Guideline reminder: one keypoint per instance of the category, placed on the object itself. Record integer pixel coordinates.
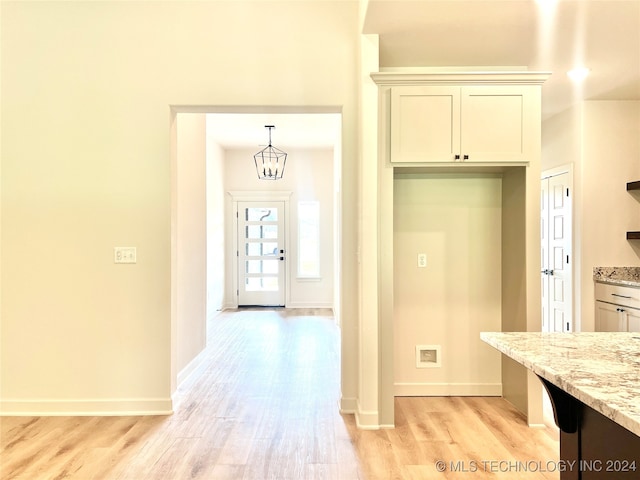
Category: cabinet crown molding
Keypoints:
(460, 78)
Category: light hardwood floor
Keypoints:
(264, 405)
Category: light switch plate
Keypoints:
(124, 255)
(422, 260)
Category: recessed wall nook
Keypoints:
(460, 153)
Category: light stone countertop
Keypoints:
(626, 276)
(601, 369)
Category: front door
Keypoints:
(261, 253)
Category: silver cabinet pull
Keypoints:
(621, 296)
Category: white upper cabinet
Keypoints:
(496, 123)
(444, 118)
(487, 123)
(425, 124)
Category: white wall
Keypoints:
(216, 247)
(87, 91)
(456, 222)
(602, 141)
(309, 176)
(191, 226)
(562, 145)
(610, 159)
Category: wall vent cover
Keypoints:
(428, 356)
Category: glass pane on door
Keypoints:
(261, 231)
(262, 266)
(261, 248)
(261, 214)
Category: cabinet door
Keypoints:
(608, 318)
(498, 123)
(425, 124)
(633, 319)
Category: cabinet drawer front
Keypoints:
(617, 294)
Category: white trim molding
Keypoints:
(259, 196)
(460, 78)
(447, 389)
(192, 366)
(348, 405)
(367, 419)
(86, 407)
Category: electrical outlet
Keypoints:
(422, 260)
(124, 254)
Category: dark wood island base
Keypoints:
(592, 447)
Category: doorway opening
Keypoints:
(217, 247)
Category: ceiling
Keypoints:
(292, 130)
(539, 35)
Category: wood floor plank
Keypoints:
(263, 405)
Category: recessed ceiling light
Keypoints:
(578, 74)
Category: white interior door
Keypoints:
(261, 253)
(556, 254)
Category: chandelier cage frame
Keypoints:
(270, 161)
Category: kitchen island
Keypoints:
(593, 380)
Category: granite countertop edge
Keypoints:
(626, 276)
(618, 407)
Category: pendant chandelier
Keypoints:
(270, 161)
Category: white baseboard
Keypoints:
(348, 405)
(447, 389)
(192, 366)
(86, 407)
(367, 419)
(539, 425)
(313, 305)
